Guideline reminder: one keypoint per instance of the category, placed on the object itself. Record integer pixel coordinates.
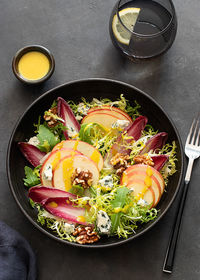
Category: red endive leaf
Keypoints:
(66, 113)
(155, 142)
(40, 194)
(159, 161)
(63, 208)
(135, 130)
(31, 153)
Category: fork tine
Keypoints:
(195, 130)
(190, 133)
(198, 138)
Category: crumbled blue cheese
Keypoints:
(121, 124)
(103, 222)
(142, 202)
(83, 108)
(71, 131)
(69, 228)
(48, 172)
(106, 181)
(34, 141)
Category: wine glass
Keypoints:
(143, 28)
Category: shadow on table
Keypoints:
(144, 74)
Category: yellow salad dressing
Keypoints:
(33, 65)
(147, 182)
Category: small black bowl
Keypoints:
(25, 50)
(89, 88)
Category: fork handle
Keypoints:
(170, 254)
(189, 170)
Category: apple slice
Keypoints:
(66, 166)
(155, 187)
(103, 119)
(142, 168)
(138, 186)
(140, 172)
(84, 148)
(111, 109)
(53, 160)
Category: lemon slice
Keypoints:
(129, 17)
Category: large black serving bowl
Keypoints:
(74, 91)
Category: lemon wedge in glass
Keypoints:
(129, 17)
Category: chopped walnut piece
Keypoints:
(120, 162)
(145, 159)
(85, 234)
(50, 118)
(82, 177)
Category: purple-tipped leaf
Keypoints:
(31, 153)
(159, 161)
(66, 113)
(154, 143)
(63, 208)
(40, 194)
(134, 130)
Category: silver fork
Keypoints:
(192, 151)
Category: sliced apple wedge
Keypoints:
(103, 119)
(144, 173)
(111, 110)
(63, 172)
(154, 187)
(138, 186)
(84, 148)
(53, 160)
(142, 168)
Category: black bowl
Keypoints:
(74, 91)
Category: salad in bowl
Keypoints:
(96, 169)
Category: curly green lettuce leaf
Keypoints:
(57, 225)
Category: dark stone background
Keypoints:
(76, 31)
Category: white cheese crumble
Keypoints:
(48, 172)
(120, 124)
(103, 222)
(142, 202)
(82, 108)
(34, 141)
(78, 117)
(106, 181)
(69, 228)
(71, 131)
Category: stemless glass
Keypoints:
(143, 28)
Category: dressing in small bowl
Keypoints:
(33, 64)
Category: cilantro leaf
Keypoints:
(32, 178)
(47, 139)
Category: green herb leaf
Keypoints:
(47, 139)
(119, 201)
(120, 197)
(32, 178)
(77, 190)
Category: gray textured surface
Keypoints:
(76, 31)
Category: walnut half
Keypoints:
(120, 163)
(82, 177)
(145, 159)
(85, 235)
(49, 117)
